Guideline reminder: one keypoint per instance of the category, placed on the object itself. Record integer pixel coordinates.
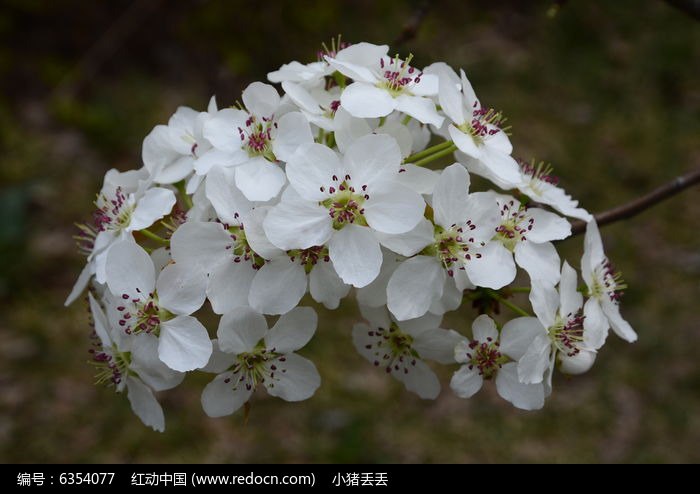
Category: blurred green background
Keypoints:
(609, 92)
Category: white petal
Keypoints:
(374, 294)
(621, 327)
(523, 396)
(398, 131)
(81, 283)
(501, 165)
(417, 178)
(356, 255)
(145, 362)
(466, 382)
(577, 364)
(450, 300)
(367, 101)
(518, 334)
(180, 289)
(219, 361)
(409, 243)
(348, 128)
(229, 286)
(541, 261)
(298, 225)
(465, 142)
(227, 199)
(301, 97)
(295, 379)
(293, 131)
(437, 344)
(533, 365)
(184, 344)
(595, 324)
(200, 243)
(129, 270)
(420, 380)
(495, 269)
(372, 158)
(144, 404)
(484, 328)
(261, 99)
(450, 195)
(420, 108)
(260, 180)
(157, 150)
(220, 399)
(218, 158)
(155, 204)
(451, 100)
(545, 302)
(240, 330)
(325, 285)
(571, 300)
(222, 129)
(176, 171)
(277, 287)
(362, 53)
(414, 286)
(593, 255)
(355, 71)
(311, 169)
(547, 226)
(101, 324)
(255, 233)
(394, 209)
(292, 331)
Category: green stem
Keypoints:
(428, 151)
(406, 119)
(508, 304)
(149, 234)
(330, 139)
(182, 190)
(436, 156)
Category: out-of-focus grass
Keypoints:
(609, 92)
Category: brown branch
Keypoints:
(410, 29)
(690, 7)
(638, 205)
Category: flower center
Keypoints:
(85, 239)
(257, 137)
(392, 349)
(113, 214)
(486, 357)
(398, 75)
(142, 314)
(309, 257)
(111, 369)
(607, 281)
(345, 205)
(539, 174)
(567, 334)
(514, 225)
(485, 123)
(240, 248)
(453, 246)
(256, 367)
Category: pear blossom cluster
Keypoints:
(349, 175)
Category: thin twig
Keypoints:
(410, 29)
(638, 205)
(690, 7)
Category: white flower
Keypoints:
(253, 140)
(490, 355)
(343, 204)
(399, 348)
(453, 247)
(170, 151)
(133, 365)
(477, 131)
(255, 356)
(605, 286)
(525, 234)
(383, 84)
(159, 306)
(125, 204)
(558, 327)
